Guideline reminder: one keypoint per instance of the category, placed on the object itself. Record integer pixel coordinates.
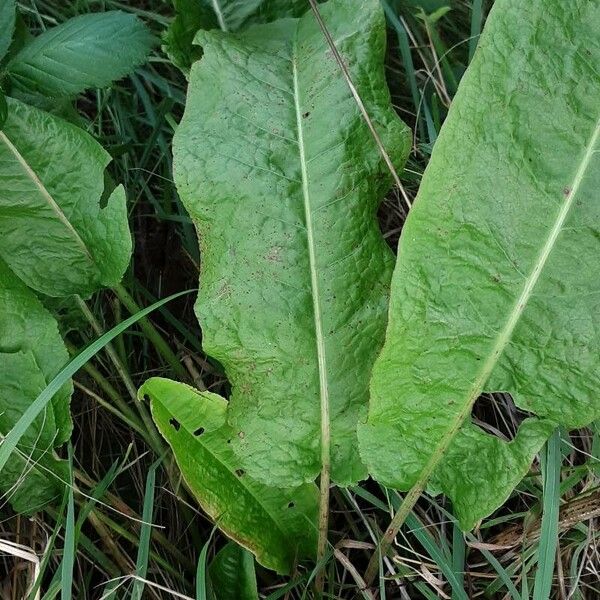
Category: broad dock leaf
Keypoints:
(282, 178)
(86, 51)
(227, 15)
(31, 354)
(53, 232)
(496, 285)
(278, 525)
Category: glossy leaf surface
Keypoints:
(31, 354)
(86, 51)
(282, 178)
(53, 232)
(496, 285)
(277, 525)
(227, 15)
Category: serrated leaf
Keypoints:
(227, 15)
(496, 285)
(86, 51)
(7, 25)
(282, 178)
(232, 574)
(277, 525)
(31, 354)
(53, 233)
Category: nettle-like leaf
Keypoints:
(86, 51)
(496, 286)
(7, 25)
(227, 15)
(31, 354)
(282, 178)
(278, 525)
(53, 232)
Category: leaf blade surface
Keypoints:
(53, 233)
(31, 354)
(227, 15)
(277, 525)
(494, 288)
(86, 51)
(232, 574)
(284, 190)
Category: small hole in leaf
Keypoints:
(498, 415)
(229, 441)
(306, 114)
(291, 504)
(175, 424)
(199, 431)
(240, 472)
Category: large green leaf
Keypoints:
(227, 15)
(31, 354)
(232, 574)
(277, 525)
(86, 51)
(282, 178)
(27, 327)
(7, 25)
(53, 233)
(496, 285)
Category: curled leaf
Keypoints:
(277, 525)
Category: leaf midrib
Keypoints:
(320, 339)
(32, 175)
(514, 316)
(241, 481)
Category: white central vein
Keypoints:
(516, 312)
(220, 17)
(323, 384)
(32, 175)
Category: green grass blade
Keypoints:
(16, 433)
(549, 532)
(382, 593)
(202, 585)
(141, 565)
(458, 557)
(68, 560)
(97, 493)
(500, 570)
(409, 67)
(49, 551)
(417, 528)
(503, 574)
(476, 22)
